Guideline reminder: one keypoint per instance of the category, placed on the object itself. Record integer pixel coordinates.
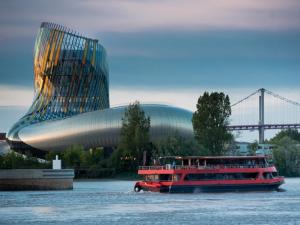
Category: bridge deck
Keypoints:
(265, 126)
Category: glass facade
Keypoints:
(71, 99)
(70, 76)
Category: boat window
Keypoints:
(275, 174)
(153, 177)
(201, 177)
(162, 177)
(165, 177)
(268, 175)
(176, 177)
(221, 176)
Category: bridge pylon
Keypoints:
(261, 115)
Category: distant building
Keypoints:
(264, 149)
(244, 148)
(240, 148)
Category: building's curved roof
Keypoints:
(102, 128)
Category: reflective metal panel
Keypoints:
(92, 129)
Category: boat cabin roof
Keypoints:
(212, 157)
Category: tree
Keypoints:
(73, 156)
(134, 138)
(93, 157)
(286, 156)
(13, 160)
(210, 121)
(177, 145)
(292, 133)
(286, 153)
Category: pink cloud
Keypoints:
(94, 16)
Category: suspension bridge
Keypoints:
(270, 110)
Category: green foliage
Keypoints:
(88, 164)
(134, 139)
(76, 156)
(93, 157)
(73, 157)
(286, 153)
(14, 160)
(286, 156)
(292, 133)
(97, 171)
(210, 121)
(177, 146)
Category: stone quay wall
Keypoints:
(36, 179)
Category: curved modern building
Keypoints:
(71, 99)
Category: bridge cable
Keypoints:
(238, 102)
(282, 98)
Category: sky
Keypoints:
(164, 51)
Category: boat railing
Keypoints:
(152, 167)
(186, 167)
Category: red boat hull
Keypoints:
(209, 188)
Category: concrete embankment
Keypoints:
(36, 179)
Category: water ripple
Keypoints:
(114, 202)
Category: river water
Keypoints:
(114, 202)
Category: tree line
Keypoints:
(286, 152)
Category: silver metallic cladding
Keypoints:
(102, 128)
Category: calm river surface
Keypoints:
(114, 202)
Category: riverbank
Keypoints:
(36, 179)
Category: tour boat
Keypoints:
(209, 174)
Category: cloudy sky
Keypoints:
(166, 51)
